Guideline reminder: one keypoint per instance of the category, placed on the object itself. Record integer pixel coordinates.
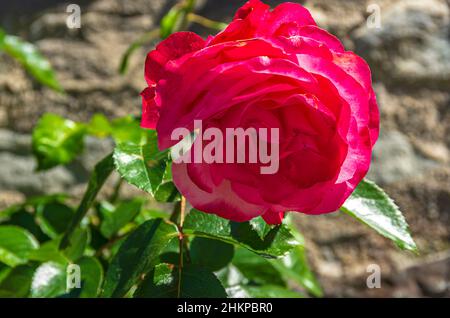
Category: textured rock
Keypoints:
(412, 46)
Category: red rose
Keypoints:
(272, 69)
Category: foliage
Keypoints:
(30, 58)
(127, 248)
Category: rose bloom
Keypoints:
(267, 69)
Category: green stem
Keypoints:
(205, 22)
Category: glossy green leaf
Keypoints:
(18, 282)
(277, 243)
(49, 280)
(137, 255)
(115, 219)
(54, 218)
(141, 165)
(28, 55)
(211, 254)
(260, 226)
(101, 172)
(256, 268)
(196, 282)
(56, 141)
(294, 267)
(267, 291)
(16, 245)
(372, 206)
(91, 277)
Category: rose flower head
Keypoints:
(272, 71)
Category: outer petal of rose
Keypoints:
(172, 48)
(221, 201)
(321, 36)
(245, 23)
(273, 217)
(150, 111)
(356, 67)
(283, 14)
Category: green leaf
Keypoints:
(116, 218)
(99, 126)
(57, 141)
(18, 282)
(171, 20)
(141, 165)
(16, 245)
(295, 267)
(196, 282)
(277, 243)
(91, 276)
(49, 280)
(127, 130)
(30, 58)
(54, 218)
(77, 244)
(33, 202)
(47, 252)
(27, 221)
(167, 192)
(260, 226)
(256, 268)
(372, 206)
(101, 172)
(211, 254)
(268, 291)
(137, 255)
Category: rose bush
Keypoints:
(268, 68)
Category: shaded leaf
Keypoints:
(18, 282)
(372, 206)
(211, 254)
(56, 141)
(278, 242)
(115, 219)
(256, 268)
(54, 218)
(16, 245)
(101, 172)
(196, 282)
(137, 255)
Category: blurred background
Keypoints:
(409, 55)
